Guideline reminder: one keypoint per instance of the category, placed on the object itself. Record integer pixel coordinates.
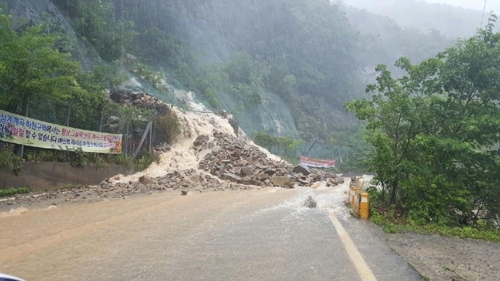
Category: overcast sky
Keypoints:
(472, 4)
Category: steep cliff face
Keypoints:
(206, 42)
(29, 12)
(285, 67)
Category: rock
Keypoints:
(146, 180)
(230, 177)
(303, 181)
(299, 169)
(262, 177)
(247, 171)
(236, 153)
(201, 140)
(310, 202)
(165, 181)
(283, 181)
(250, 181)
(270, 172)
(185, 192)
(163, 147)
(105, 183)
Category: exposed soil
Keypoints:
(449, 258)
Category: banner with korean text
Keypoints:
(317, 163)
(30, 132)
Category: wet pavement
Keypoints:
(262, 234)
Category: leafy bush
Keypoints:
(9, 160)
(13, 191)
(145, 159)
(212, 98)
(167, 127)
(286, 146)
(155, 78)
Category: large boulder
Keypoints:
(301, 170)
(247, 171)
(283, 181)
(146, 180)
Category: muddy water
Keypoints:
(56, 243)
(264, 234)
(53, 244)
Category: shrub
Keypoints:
(13, 191)
(167, 127)
(9, 160)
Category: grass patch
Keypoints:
(482, 231)
(13, 191)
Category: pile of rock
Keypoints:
(228, 163)
(186, 180)
(236, 161)
(139, 100)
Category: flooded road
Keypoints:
(264, 234)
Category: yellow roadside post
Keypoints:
(364, 211)
(354, 195)
(360, 182)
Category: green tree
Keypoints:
(432, 131)
(34, 75)
(31, 69)
(95, 21)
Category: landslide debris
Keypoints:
(215, 160)
(228, 163)
(234, 160)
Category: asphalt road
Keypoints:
(251, 235)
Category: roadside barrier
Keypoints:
(358, 199)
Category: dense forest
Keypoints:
(310, 57)
(452, 22)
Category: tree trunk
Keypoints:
(68, 115)
(24, 112)
(100, 123)
(26, 101)
(393, 192)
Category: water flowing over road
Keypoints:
(264, 234)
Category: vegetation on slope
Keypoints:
(307, 52)
(433, 132)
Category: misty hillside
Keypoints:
(385, 41)
(449, 20)
(284, 67)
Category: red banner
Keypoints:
(317, 163)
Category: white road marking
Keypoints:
(357, 259)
